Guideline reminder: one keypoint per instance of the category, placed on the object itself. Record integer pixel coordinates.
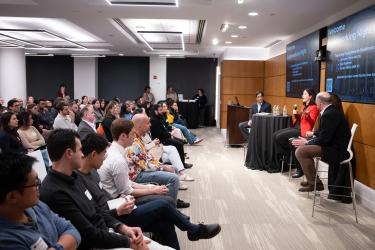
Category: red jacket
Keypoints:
(307, 119)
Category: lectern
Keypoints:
(235, 115)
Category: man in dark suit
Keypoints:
(87, 124)
(329, 142)
(259, 106)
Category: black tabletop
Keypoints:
(261, 150)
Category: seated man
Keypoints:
(114, 173)
(65, 117)
(87, 125)
(144, 167)
(258, 107)
(66, 193)
(330, 142)
(157, 216)
(26, 222)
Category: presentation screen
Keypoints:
(302, 71)
(351, 57)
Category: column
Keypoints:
(12, 73)
(158, 77)
(85, 77)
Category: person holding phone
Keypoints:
(303, 121)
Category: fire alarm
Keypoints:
(155, 77)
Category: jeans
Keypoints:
(188, 135)
(244, 128)
(178, 145)
(170, 154)
(162, 178)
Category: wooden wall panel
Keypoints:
(223, 119)
(275, 66)
(245, 100)
(275, 85)
(239, 68)
(365, 164)
(235, 85)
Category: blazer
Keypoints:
(84, 130)
(333, 136)
(265, 107)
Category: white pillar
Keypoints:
(158, 77)
(85, 77)
(12, 73)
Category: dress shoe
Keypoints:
(205, 232)
(310, 188)
(187, 217)
(304, 183)
(188, 165)
(182, 204)
(298, 174)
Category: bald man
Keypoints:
(329, 142)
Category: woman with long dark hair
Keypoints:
(10, 141)
(98, 112)
(62, 91)
(303, 122)
(30, 137)
(201, 99)
(111, 113)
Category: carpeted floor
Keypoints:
(258, 210)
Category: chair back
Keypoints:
(354, 128)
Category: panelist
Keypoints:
(258, 107)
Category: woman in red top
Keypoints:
(303, 122)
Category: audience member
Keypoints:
(26, 222)
(87, 124)
(84, 102)
(2, 108)
(14, 106)
(201, 99)
(259, 106)
(329, 142)
(148, 96)
(304, 121)
(126, 110)
(98, 112)
(44, 116)
(29, 135)
(65, 117)
(111, 113)
(61, 92)
(30, 100)
(9, 138)
(66, 194)
(73, 106)
(171, 94)
(176, 115)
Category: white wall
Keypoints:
(85, 77)
(158, 70)
(12, 74)
(245, 53)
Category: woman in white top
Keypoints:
(30, 136)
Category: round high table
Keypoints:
(261, 149)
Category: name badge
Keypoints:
(88, 195)
(100, 185)
(39, 245)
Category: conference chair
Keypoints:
(323, 167)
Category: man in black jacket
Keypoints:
(258, 107)
(329, 142)
(66, 194)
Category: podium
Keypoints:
(235, 115)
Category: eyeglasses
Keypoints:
(37, 184)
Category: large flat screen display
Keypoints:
(302, 71)
(350, 69)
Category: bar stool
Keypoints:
(283, 160)
(319, 165)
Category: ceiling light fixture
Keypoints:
(215, 41)
(224, 27)
(234, 36)
(121, 54)
(253, 13)
(152, 3)
(228, 42)
(83, 55)
(240, 1)
(242, 27)
(182, 42)
(36, 54)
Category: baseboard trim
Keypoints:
(365, 195)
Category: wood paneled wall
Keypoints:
(242, 79)
(362, 114)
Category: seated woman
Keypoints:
(30, 136)
(192, 139)
(111, 114)
(98, 112)
(126, 110)
(303, 122)
(10, 141)
(173, 110)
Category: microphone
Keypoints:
(295, 106)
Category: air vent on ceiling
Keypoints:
(201, 25)
(126, 29)
(167, 3)
(273, 43)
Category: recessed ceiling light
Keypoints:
(215, 41)
(234, 36)
(121, 54)
(242, 27)
(253, 13)
(228, 42)
(240, 1)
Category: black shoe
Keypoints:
(205, 232)
(182, 204)
(298, 174)
(188, 165)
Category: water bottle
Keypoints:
(285, 112)
(274, 110)
(277, 110)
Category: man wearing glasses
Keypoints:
(26, 222)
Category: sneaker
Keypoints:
(182, 204)
(198, 140)
(205, 232)
(186, 177)
(188, 165)
(183, 187)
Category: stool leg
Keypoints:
(353, 192)
(282, 164)
(290, 165)
(316, 175)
